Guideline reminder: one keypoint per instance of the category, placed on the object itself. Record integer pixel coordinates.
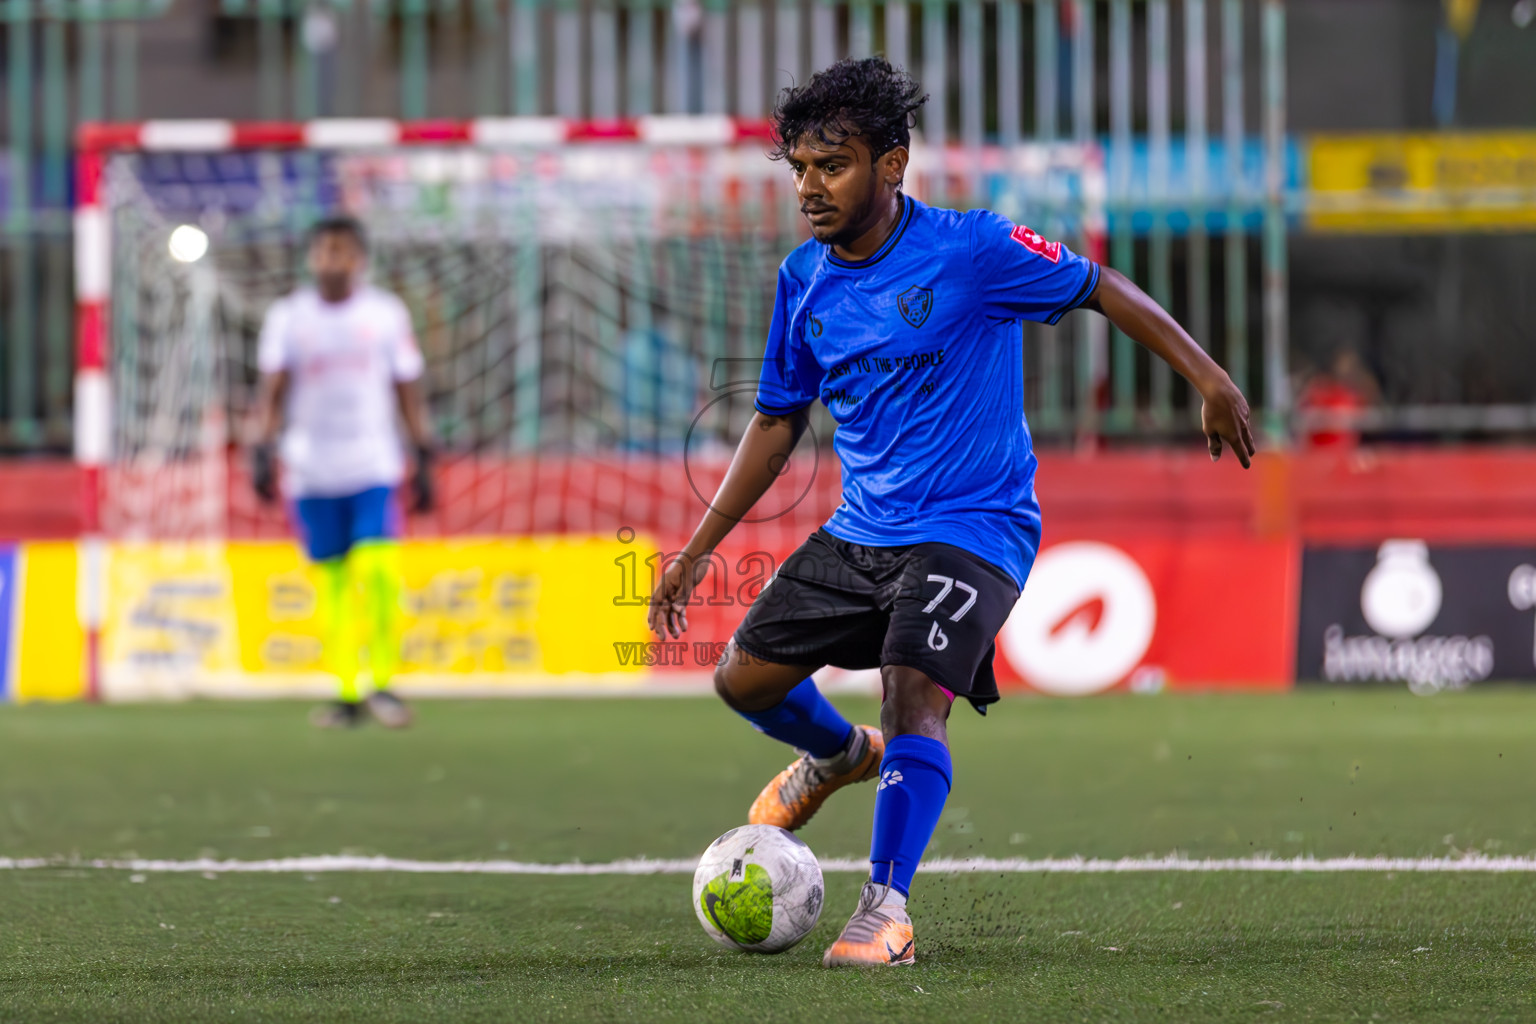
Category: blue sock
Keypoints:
(914, 783)
(805, 721)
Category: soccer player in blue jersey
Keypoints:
(905, 321)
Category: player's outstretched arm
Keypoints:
(761, 458)
(1224, 414)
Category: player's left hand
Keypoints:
(1224, 419)
(426, 492)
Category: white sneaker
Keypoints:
(389, 711)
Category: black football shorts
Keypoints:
(933, 607)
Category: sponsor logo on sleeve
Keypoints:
(1031, 240)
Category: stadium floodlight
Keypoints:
(188, 244)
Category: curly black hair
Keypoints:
(864, 97)
(340, 224)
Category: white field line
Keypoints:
(646, 866)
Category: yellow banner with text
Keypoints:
(1484, 181)
(478, 617)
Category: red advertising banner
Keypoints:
(1149, 613)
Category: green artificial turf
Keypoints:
(1318, 773)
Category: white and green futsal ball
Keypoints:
(758, 888)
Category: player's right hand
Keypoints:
(668, 615)
(1224, 418)
(426, 491)
(264, 474)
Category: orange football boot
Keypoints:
(878, 934)
(798, 792)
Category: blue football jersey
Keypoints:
(917, 352)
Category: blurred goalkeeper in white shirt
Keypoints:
(337, 361)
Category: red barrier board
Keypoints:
(1446, 495)
(1159, 568)
(1154, 612)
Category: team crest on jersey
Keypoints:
(915, 304)
(1031, 240)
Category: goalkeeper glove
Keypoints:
(264, 473)
(426, 494)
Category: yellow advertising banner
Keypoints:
(50, 647)
(478, 617)
(170, 620)
(1422, 183)
(1461, 15)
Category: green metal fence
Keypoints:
(56, 59)
(1131, 72)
